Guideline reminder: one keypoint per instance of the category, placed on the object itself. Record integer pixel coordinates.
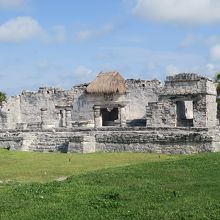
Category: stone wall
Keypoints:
(138, 94)
(181, 88)
(10, 113)
(43, 141)
(11, 142)
(211, 112)
(50, 98)
(83, 103)
(26, 108)
(169, 141)
(82, 144)
(161, 113)
(70, 121)
(159, 140)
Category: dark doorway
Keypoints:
(109, 116)
(184, 111)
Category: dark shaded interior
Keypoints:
(109, 116)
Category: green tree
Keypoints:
(217, 81)
(2, 97)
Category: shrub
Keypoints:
(2, 97)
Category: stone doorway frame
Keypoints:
(98, 116)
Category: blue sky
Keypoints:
(63, 43)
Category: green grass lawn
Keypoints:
(18, 166)
(131, 186)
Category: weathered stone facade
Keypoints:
(75, 107)
(179, 91)
(177, 117)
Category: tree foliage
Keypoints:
(217, 81)
(2, 97)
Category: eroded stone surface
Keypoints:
(177, 117)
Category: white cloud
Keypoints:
(181, 11)
(25, 28)
(89, 34)
(19, 29)
(215, 52)
(12, 3)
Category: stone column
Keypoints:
(68, 118)
(59, 118)
(199, 112)
(44, 120)
(63, 118)
(97, 116)
(148, 116)
(122, 116)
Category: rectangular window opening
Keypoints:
(184, 111)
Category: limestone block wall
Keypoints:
(31, 103)
(187, 83)
(26, 108)
(164, 113)
(10, 113)
(83, 104)
(11, 142)
(41, 141)
(139, 94)
(211, 113)
(211, 87)
(160, 140)
(48, 98)
(82, 144)
(199, 91)
(161, 114)
(199, 112)
(82, 107)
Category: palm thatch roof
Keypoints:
(107, 83)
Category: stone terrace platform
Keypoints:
(170, 140)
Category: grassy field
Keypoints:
(26, 167)
(131, 186)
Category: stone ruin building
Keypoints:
(113, 114)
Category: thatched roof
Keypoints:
(107, 83)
